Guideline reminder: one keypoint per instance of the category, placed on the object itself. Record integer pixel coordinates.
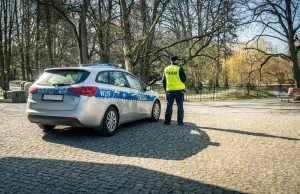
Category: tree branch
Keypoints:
(143, 40)
(266, 35)
(272, 55)
(181, 41)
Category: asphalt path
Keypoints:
(246, 146)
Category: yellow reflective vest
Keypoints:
(173, 81)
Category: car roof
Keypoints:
(91, 67)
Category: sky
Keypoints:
(250, 32)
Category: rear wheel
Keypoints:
(109, 122)
(47, 127)
(156, 109)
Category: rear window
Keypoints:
(62, 77)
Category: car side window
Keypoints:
(134, 82)
(116, 78)
(102, 77)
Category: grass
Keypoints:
(242, 95)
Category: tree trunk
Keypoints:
(103, 29)
(2, 74)
(199, 14)
(127, 38)
(37, 44)
(48, 37)
(218, 63)
(100, 34)
(189, 20)
(21, 39)
(292, 49)
(130, 48)
(106, 54)
(10, 31)
(6, 65)
(83, 32)
(27, 42)
(145, 61)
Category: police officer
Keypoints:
(173, 82)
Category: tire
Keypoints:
(109, 122)
(47, 127)
(155, 113)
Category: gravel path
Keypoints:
(247, 146)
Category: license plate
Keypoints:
(50, 97)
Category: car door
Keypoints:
(114, 83)
(141, 105)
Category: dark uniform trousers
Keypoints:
(171, 96)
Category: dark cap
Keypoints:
(174, 58)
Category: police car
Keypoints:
(101, 96)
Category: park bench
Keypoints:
(292, 92)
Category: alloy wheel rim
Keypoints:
(111, 121)
(156, 110)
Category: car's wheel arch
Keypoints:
(157, 99)
(101, 129)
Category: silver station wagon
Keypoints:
(100, 96)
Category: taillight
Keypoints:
(32, 89)
(85, 90)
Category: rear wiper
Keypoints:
(63, 84)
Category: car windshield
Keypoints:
(62, 77)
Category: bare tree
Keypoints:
(37, 44)
(103, 19)
(79, 32)
(2, 65)
(279, 20)
(130, 45)
(27, 27)
(8, 18)
(83, 32)
(48, 35)
(148, 14)
(196, 28)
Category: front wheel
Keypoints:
(110, 122)
(156, 109)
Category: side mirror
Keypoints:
(148, 88)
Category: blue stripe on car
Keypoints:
(101, 93)
(55, 91)
(121, 95)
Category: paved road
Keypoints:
(250, 146)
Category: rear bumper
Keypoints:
(88, 113)
(53, 120)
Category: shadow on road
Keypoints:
(250, 133)
(272, 105)
(138, 139)
(28, 175)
